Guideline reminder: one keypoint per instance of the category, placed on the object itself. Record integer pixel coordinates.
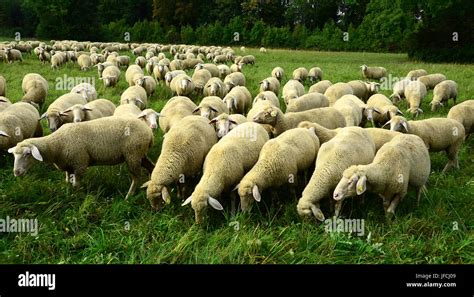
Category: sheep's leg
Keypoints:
(393, 205)
(453, 161)
(337, 207)
(233, 203)
(135, 170)
(386, 203)
(418, 195)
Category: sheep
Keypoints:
(402, 162)
(363, 90)
(234, 79)
(132, 74)
(438, 134)
(278, 73)
(263, 50)
(159, 71)
(182, 85)
(212, 68)
(320, 87)
(380, 109)
(381, 136)
(323, 134)
(224, 123)
(399, 90)
(172, 74)
(200, 78)
(225, 165)
(373, 72)
(74, 147)
(140, 61)
(249, 59)
(52, 114)
(306, 102)
(135, 95)
(327, 116)
(279, 162)
(336, 91)
(464, 114)
(86, 90)
(56, 60)
(148, 83)
(415, 92)
(149, 116)
(257, 107)
(220, 59)
(3, 86)
(242, 49)
(4, 103)
(44, 56)
(101, 67)
(123, 61)
(215, 87)
(351, 108)
(174, 110)
(315, 74)
(35, 88)
(13, 55)
(270, 84)
(431, 80)
(269, 96)
(292, 90)
(110, 76)
(93, 110)
(350, 146)
(84, 62)
(415, 74)
(236, 67)
(238, 100)
(300, 74)
(224, 70)
(18, 121)
(443, 92)
(211, 106)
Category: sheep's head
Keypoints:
(214, 89)
(265, 85)
(363, 67)
(267, 116)
(415, 111)
(223, 124)
(231, 102)
(206, 111)
(25, 155)
(398, 123)
(435, 104)
(157, 194)
(352, 183)
(199, 203)
(393, 111)
(248, 192)
(168, 77)
(140, 81)
(373, 87)
(186, 84)
(307, 209)
(150, 116)
(78, 112)
(54, 120)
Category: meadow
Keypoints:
(94, 224)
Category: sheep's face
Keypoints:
(77, 111)
(267, 116)
(435, 105)
(398, 123)
(307, 209)
(364, 68)
(25, 156)
(157, 195)
(208, 112)
(199, 203)
(223, 124)
(140, 81)
(248, 192)
(54, 121)
(214, 89)
(168, 77)
(150, 116)
(265, 85)
(351, 184)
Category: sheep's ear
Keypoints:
(273, 113)
(86, 108)
(361, 186)
(145, 185)
(377, 110)
(213, 121)
(405, 125)
(399, 112)
(11, 150)
(213, 109)
(43, 116)
(141, 115)
(196, 109)
(187, 201)
(3, 133)
(387, 123)
(236, 187)
(233, 122)
(139, 100)
(256, 193)
(234, 102)
(313, 130)
(165, 195)
(214, 203)
(36, 153)
(318, 214)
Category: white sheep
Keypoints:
(110, 76)
(380, 109)
(415, 74)
(381, 136)
(238, 100)
(249, 59)
(234, 79)
(35, 88)
(315, 74)
(300, 74)
(415, 92)
(200, 78)
(263, 50)
(159, 71)
(93, 110)
(215, 87)
(336, 91)
(135, 95)
(442, 92)
(52, 114)
(464, 114)
(399, 90)
(373, 72)
(224, 123)
(182, 85)
(278, 73)
(132, 74)
(4, 103)
(149, 116)
(13, 55)
(320, 87)
(363, 90)
(270, 84)
(18, 121)
(140, 61)
(212, 68)
(148, 83)
(86, 90)
(306, 102)
(431, 80)
(84, 62)
(175, 109)
(236, 67)
(172, 74)
(211, 106)
(3, 86)
(269, 96)
(292, 90)
(351, 108)
(224, 70)
(123, 61)
(323, 134)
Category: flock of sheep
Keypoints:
(234, 144)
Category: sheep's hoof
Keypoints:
(390, 216)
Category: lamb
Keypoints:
(18, 121)
(263, 50)
(211, 106)
(269, 96)
(399, 90)
(133, 73)
(224, 123)
(292, 90)
(225, 165)
(270, 84)
(373, 72)
(306, 102)
(442, 92)
(380, 109)
(135, 95)
(93, 110)
(177, 161)
(315, 74)
(110, 76)
(84, 62)
(327, 116)
(300, 74)
(278, 73)
(74, 147)
(224, 70)
(35, 88)
(174, 110)
(140, 61)
(123, 61)
(160, 71)
(215, 87)
(280, 161)
(200, 78)
(236, 67)
(336, 91)
(320, 87)
(351, 146)
(415, 92)
(438, 134)
(402, 162)
(149, 116)
(86, 90)
(13, 55)
(172, 74)
(415, 74)
(431, 80)
(182, 85)
(148, 83)
(363, 90)
(249, 59)
(101, 67)
(351, 108)
(464, 114)
(234, 79)
(238, 100)
(4, 103)
(3, 86)
(52, 114)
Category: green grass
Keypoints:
(93, 224)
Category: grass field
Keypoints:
(93, 224)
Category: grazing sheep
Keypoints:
(263, 50)
(292, 90)
(351, 108)
(110, 76)
(225, 165)
(212, 68)
(323, 134)
(75, 147)
(135, 95)
(373, 72)
(86, 90)
(215, 87)
(415, 92)
(182, 85)
(18, 121)
(172, 74)
(399, 90)
(4, 103)
(249, 59)
(320, 87)
(269, 96)
(278, 73)
(85, 62)
(438, 134)
(238, 100)
(363, 90)
(380, 109)
(133, 73)
(442, 92)
(101, 67)
(258, 107)
(315, 74)
(381, 136)
(148, 83)
(52, 114)
(178, 162)
(190, 63)
(200, 78)
(234, 79)
(159, 71)
(402, 162)
(306, 102)
(336, 91)
(220, 59)
(224, 70)
(57, 60)
(415, 74)
(351, 146)
(3, 86)
(431, 80)
(279, 162)
(300, 74)
(13, 55)
(93, 110)
(140, 61)
(211, 106)
(149, 116)
(35, 88)
(270, 84)
(224, 123)
(464, 114)
(236, 67)
(123, 61)
(174, 110)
